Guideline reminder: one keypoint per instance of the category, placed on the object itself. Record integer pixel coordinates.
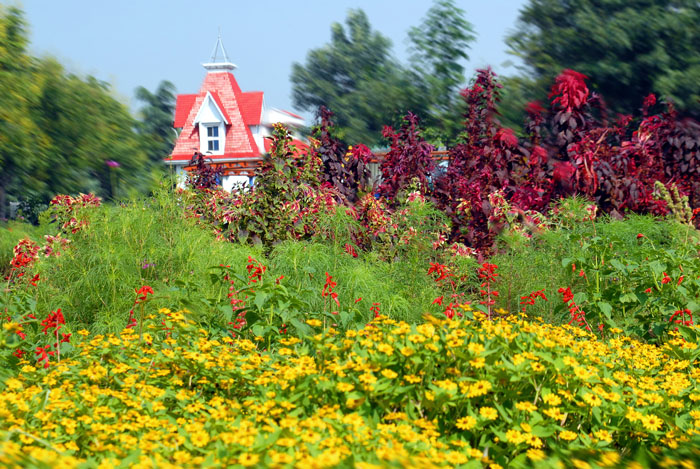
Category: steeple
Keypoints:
(219, 65)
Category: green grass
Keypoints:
(529, 265)
(403, 290)
(94, 281)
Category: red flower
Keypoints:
(144, 291)
(438, 300)
(255, 270)
(440, 269)
(682, 313)
(375, 309)
(666, 278)
(566, 293)
(534, 107)
(449, 311)
(570, 89)
(328, 289)
(640, 235)
(53, 321)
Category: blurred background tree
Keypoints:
(22, 142)
(59, 130)
(439, 51)
(628, 49)
(156, 126)
(356, 77)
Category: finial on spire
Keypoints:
(219, 65)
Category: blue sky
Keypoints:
(139, 43)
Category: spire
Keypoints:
(215, 64)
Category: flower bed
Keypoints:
(443, 393)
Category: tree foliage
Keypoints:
(627, 49)
(157, 114)
(58, 130)
(355, 76)
(439, 48)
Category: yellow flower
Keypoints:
(478, 362)
(535, 454)
(609, 459)
(12, 327)
(466, 423)
(455, 458)
(488, 413)
(652, 422)
(280, 458)
(314, 322)
(526, 406)
(537, 366)
(592, 400)
(199, 439)
(248, 459)
(389, 374)
(476, 348)
(344, 387)
(13, 384)
(479, 388)
(603, 435)
(515, 436)
(567, 435)
(385, 348)
(552, 399)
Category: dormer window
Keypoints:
(212, 122)
(212, 138)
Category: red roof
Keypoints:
(239, 141)
(182, 108)
(251, 107)
(218, 102)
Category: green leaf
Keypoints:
(261, 299)
(605, 308)
(302, 328)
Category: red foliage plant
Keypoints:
(408, 158)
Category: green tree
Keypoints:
(439, 49)
(627, 48)
(156, 125)
(22, 143)
(357, 78)
(86, 127)
(58, 130)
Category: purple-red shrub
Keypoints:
(347, 169)
(409, 158)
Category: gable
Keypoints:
(210, 111)
(220, 99)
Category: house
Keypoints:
(226, 124)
